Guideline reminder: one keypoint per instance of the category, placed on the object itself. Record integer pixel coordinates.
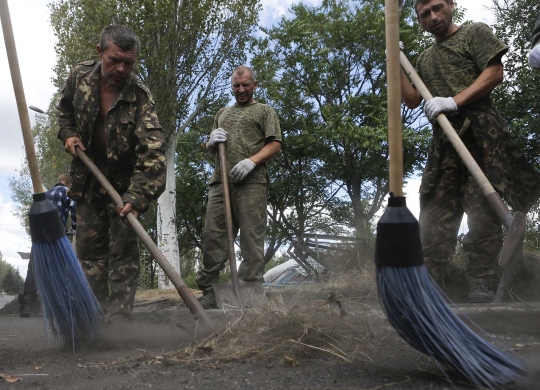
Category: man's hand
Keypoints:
(128, 208)
(534, 57)
(71, 142)
(241, 170)
(217, 136)
(435, 106)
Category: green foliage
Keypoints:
(12, 282)
(4, 268)
(517, 97)
(323, 69)
(184, 44)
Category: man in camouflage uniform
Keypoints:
(253, 137)
(107, 111)
(534, 54)
(461, 69)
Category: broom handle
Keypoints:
(19, 96)
(492, 196)
(228, 222)
(393, 75)
(185, 293)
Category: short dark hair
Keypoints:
(417, 2)
(243, 69)
(122, 36)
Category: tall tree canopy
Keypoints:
(323, 69)
(188, 51)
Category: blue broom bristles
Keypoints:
(68, 304)
(417, 309)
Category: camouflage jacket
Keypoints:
(135, 143)
(487, 138)
(535, 40)
(450, 66)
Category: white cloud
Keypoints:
(478, 11)
(34, 42)
(13, 237)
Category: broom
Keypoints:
(414, 304)
(68, 304)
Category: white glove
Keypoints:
(217, 136)
(241, 170)
(534, 57)
(435, 106)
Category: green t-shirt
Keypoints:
(248, 129)
(451, 65)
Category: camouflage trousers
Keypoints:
(108, 250)
(248, 204)
(441, 212)
(30, 281)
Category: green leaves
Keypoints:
(517, 97)
(323, 69)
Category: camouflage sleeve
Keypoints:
(216, 118)
(65, 112)
(485, 46)
(272, 130)
(150, 172)
(535, 40)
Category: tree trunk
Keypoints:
(166, 218)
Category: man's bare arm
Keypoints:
(267, 152)
(409, 94)
(485, 83)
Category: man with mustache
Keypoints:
(252, 137)
(106, 110)
(461, 69)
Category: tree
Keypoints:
(323, 69)
(52, 161)
(188, 50)
(517, 96)
(12, 282)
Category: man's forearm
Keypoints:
(211, 149)
(267, 152)
(409, 94)
(483, 85)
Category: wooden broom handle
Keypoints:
(19, 96)
(393, 76)
(185, 293)
(448, 129)
(228, 222)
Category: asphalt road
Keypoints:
(4, 299)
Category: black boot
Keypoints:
(27, 303)
(208, 300)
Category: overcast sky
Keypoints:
(35, 40)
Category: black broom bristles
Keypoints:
(418, 309)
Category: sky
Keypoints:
(35, 41)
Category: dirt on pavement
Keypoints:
(306, 339)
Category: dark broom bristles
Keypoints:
(418, 310)
(68, 304)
